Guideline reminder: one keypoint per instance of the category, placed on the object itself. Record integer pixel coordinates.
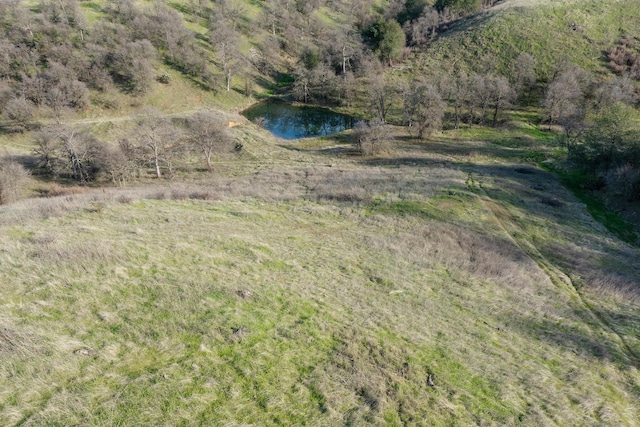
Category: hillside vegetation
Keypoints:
(454, 260)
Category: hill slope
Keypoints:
(447, 284)
(551, 30)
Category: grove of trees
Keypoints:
(156, 142)
(602, 140)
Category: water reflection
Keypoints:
(291, 122)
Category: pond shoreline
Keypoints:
(293, 120)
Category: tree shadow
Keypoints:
(263, 83)
(28, 162)
(573, 339)
(397, 162)
(182, 8)
(463, 24)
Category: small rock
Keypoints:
(244, 293)
(430, 381)
(238, 334)
(84, 352)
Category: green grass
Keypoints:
(309, 287)
(577, 31)
(275, 303)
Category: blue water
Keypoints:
(292, 122)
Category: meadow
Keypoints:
(449, 282)
(460, 280)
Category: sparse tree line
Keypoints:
(598, 117)
(155, 144)
(600, 129)
(427, 106)
(330, 60)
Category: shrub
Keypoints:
(624, 58)
(13, 179)
(371, 138)
(18, 113)
(625, 181)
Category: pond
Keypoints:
(291, 122)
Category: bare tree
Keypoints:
(208, 134)
(565, 95)
(64, 149)
(455, 90)
(119, 163)
(502, 95)
(267, 58)
(362, 13)
(326, 83)
(302, 82)
(343, 45)
(480, 95)
(274, 16)
(618, 89)
(232, 10)
(158, 139)
(394, 9)
(573, 121)
(425, 107)
(46, 150)
(524, 74)
(380, 90)
(422, 30)
(79, 149)
(348, 88)
(134, 65)
(226, 42)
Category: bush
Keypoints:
(164, 78)
(18, 113)
(371, 138)
(13, 179)
(624, 58)
(625, 181)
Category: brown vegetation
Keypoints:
(624, 58)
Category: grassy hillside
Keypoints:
(579, 32)
(451, 281)
(447, 284)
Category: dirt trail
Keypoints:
(555, 274)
